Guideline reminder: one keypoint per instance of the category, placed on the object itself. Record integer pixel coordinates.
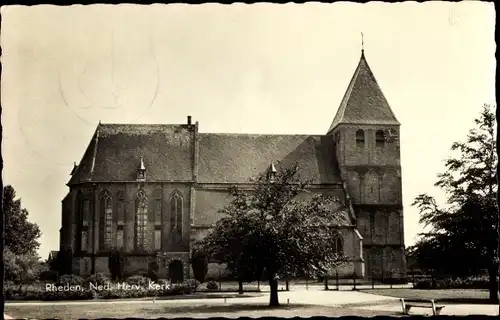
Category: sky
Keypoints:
(261, 68)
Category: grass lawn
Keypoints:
(469, 296)
(177, 310)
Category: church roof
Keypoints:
(167, 150)
(235, 158)
(364, 102)
(115, 152)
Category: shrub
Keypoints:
(473, 282)
(97, 279)
(83, 294)
(163, 282)
(192, 283)
(178, 289)
(48, 275)
(70, 279)
(137, 280)
(212, 286)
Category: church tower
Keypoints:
(366, 135)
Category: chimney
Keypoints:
(189, 120)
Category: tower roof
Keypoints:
(364, 102)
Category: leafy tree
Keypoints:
(116, 264)
(199, 263)
(463, 236)
(21, 235)
(272, 230)
(20, 268)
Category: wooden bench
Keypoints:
(408, 304)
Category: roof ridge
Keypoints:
(260, 134)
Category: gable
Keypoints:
(115, 151)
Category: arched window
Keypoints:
(105, 220)
(360, 138)
(141, 220)
(339, 245)
(379, 138)
(83, 218)
(176, 211)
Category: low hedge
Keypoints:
(38, 291)
(474, 282)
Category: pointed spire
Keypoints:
(271, 172)
(272, 168)
(141, 171)
(364, 102)
(142, 167)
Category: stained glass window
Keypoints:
(105, 221)
(157, 239)
(85, 239)
(119, 239)
(176, 211)
(141, 221)
(85, 212)
(158, 211)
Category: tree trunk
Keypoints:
(273, 284)
(240, 287)
(493, 273)
(326, 282)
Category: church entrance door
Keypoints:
(175, 271)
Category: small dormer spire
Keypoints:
(141, 171)
(271, 172)
(142, 167)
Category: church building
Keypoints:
(152, 190)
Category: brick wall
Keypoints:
(373, 175)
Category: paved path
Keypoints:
(351, 299)
(449, 309)
(313, 297)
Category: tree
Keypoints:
(21, 235)
(116, 263)
(463, 237)
(20, 268)
(199, 263)
(272, 230)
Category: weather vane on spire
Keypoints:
(362, 42)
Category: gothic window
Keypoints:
(360, 138)
(85, 240)
(105, 221)
(379, 138)
(120, 207)
(157, 239)
(141, 220)
(83, 208)
(176, 211)
(119, 239)
(339, 246)
(85, 212)
(158, 211)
